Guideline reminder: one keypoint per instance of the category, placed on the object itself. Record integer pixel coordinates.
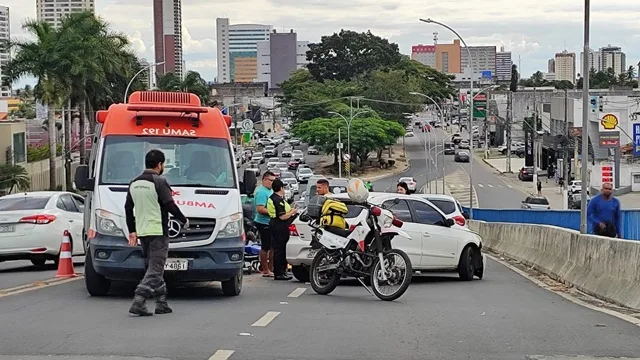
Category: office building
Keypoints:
(5, 35)
(503, 64)
(565, 68)
(594, 58)
(448, 57)
(167, 33)
(613, 57)
(147, 77)
(424, 54)
(483, 61)
(279, 56)
(52, 11)
(238, 49)
(551, 66)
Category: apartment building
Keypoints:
(167, 32)
(52, 11)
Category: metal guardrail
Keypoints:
(568, 219)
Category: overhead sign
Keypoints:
(636, 139)
(339, 145)
(609, 122)
(246, 126)
(610, 139)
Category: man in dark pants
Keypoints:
(149, 202)
(281, 215)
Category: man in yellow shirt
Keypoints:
(281, 215)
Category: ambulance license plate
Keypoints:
(176, 265)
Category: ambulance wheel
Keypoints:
(233, 286)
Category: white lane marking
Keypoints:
(222, 355)
(490, 185)
(266, 319)
(510, 187)
(451, 186)
(297, 292)
(480, 185)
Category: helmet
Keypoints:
(357, 190)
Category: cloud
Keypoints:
(533, 30)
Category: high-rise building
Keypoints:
(565, 68)
(424, 54)
(613, 57)
(147, 77)
(551, 66)
(167, 33)
(483, 61)
(594, 58)
(279, 56)
(503, 64)
(237, 50)
(5, 35)
(448, 57)
(52, 11)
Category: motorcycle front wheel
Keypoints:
(397, 267)
(324, 282)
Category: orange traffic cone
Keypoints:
(65, 263)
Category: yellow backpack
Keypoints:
(333, 213)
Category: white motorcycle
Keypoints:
(363, 251)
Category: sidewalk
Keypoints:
(371, 174)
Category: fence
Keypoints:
(39, 173)
(568, 219)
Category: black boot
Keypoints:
(162, 307)
(138, 307)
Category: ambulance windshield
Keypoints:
(199, 162)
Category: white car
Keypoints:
(303, 174)
(312, 150)
(32, 225)
(435, 245)
(449, 206)
(464, 144)
(286, 152)
(257, 157)
(411, 183)
(283, 166)
(292, 183)
(297, 155)
(266, 141)
(575, 186)
(409, 134)
(273, 162)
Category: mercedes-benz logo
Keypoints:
(174, 228)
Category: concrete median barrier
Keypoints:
(605, 268)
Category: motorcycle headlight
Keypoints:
(387, 222)
(107, 223)
(233, 228)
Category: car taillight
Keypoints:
(293, 230)
(376, 211)
(397, 222)
(38, 219)
(460, 220)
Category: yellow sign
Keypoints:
(609, 122)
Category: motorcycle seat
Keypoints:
(337, 231)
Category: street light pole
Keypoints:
(428, 152)
(429, 21)
(126, 91)
(585, 119)
(348, 122)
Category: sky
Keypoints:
(532, 30)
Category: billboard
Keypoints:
(636, 139)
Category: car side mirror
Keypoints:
(248, 185)
(396, 201)
(82, 180)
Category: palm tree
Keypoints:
(43, 57)
(192, 83)
(14, 177)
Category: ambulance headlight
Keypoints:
(233, 228)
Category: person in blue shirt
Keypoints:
(604, 214)
(261, 220)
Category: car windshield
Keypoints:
(538, 201)
(305, 171)
(288, 175)
(258, 155)
(24, 203)
(289, 180)
(200, 162)
(297, 152)
(463, 153)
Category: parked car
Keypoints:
(526, 173)
(312, 150)
(461, 156)
(575, 201)
(519, 152)
(286, 152)
(575, 186)
(32, 225)
(436, 244)
(270, 151)
(535, 202)
(303, 175)
(411, 183)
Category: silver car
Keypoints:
(535, 202)
(304, 174)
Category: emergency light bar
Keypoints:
(163, 108)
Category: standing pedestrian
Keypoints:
(604, 213)
(149, 202)
(539, 185)
(281, 215)
(262, 220)
(402, 188)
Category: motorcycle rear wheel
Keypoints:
(405, 281)
(330, 284)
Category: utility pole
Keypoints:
(585, 119)
(565, 170)
(509, 118)
(534, 141)
(339, 155)
(349, 134)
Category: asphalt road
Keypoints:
(502, 317)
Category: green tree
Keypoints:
(14, 177)
(563, 84)
(347, 54)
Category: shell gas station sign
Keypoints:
(608, 130)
